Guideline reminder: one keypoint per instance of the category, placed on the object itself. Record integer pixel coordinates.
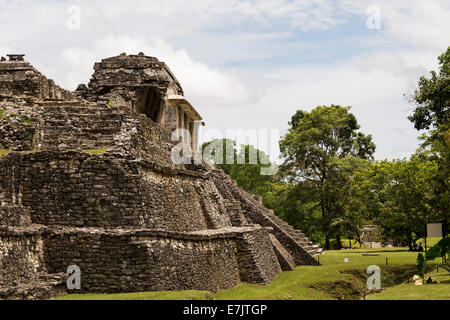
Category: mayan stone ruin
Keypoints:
(87, 179)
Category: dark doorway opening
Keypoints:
(150, 104)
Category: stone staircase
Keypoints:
(286, 261)
(297, 235)
(294, 242)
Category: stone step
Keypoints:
(286, 261)
(46, 286)
(315, 252)
(298, 236)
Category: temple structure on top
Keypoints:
(147, 86)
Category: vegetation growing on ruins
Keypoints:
(95, 151)
(5, 115)
(4, 152)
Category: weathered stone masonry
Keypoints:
(89, 181)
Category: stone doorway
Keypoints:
(150, 103)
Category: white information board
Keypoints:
(434, 230)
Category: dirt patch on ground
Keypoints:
(390, 276)
(352, 289)
(340, 289)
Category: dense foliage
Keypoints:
(330, 187)
(243, 165)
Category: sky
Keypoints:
(249, 65)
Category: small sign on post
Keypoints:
(434, 230)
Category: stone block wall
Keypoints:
(78, 126)
(21, 258)
(144, 260)
(12, 215)
(83, 126)
(78, 189)
(73, 188)
(16, 134)
(63, 126)
(152, 141)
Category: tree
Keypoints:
(247, 171)
(222, 152)
(433, 97)
(399, 196)
(436, 148)
(432, 100)
(243, 166)
(292, 203)
(319, 152)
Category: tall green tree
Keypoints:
(222, 152)
(432, 112)
(432, 97)
(319, 151)
(243, 165)
(248, 171)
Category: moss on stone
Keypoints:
(95, 151)
(4, 114)
(5, 152)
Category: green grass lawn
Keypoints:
(409, 291)
(430, 242)
(334, 279)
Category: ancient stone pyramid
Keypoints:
(86, 179)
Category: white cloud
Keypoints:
(390, 62)
(201, 83)
(5, 49)
(259, 58)
(303, 14)
(374, 93)
(424, 23)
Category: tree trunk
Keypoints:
(349, 242)
(338, 242)
(327, 242)
(410, 241)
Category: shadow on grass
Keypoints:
(399, 250)
(352, 288)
